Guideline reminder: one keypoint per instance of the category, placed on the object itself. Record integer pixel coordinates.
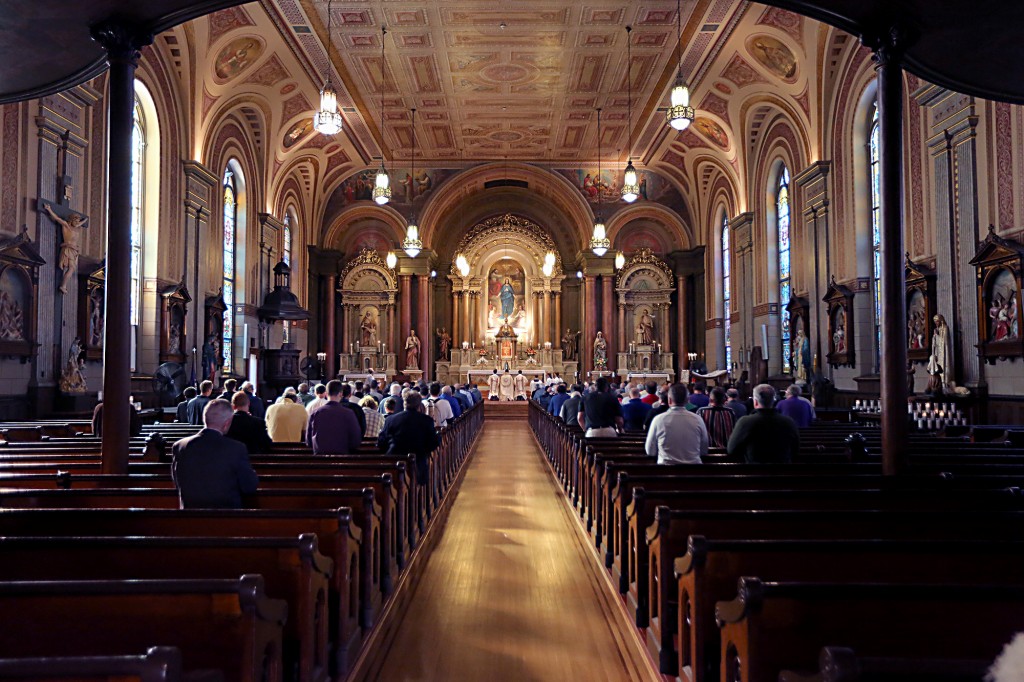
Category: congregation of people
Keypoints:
(212, 468)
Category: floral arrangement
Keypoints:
(531, 351)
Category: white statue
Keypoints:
(645, 329)
(942, 350)
(71, 379)
(69, 246)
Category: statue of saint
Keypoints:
(444, 340)
(368, 326)
(569, 345)
(801, 356)
(645, 329)
(839, 335)
(174, 339)
(412, 351)
(506, 331)
(508, 299)
(12, 319)
(942, 350)
(96, 318)
(72, 380)
(70, 244)
(600, 351)
(211, 356)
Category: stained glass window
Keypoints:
(230, 216)
(782, 226)
(287, 250)
(876, 231)
(138, 180)
(726, 293)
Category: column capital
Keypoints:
(887, 46)
(122, 41)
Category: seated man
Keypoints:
(247, 429)
(286, 420)
(735, 404)
(559, 399)
(438, 408)
(677, 436)
(410, 431)
(635, 412)
(700, 396)
(209, 470)
(796, 407)
(181, 414)
(718, 418)
(765, 436)
(320, 399)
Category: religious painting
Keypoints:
(634, 240)
(839, 299)
(712, 131)
(297, 132)
(917, 322)
(372, 240)
(369, 334)
(920, 299)
(15, 297)
(653, 187)
(1003, 307)
(774, 56)
(593, 184)
(407, 189)
(236, 57)
(506, 296)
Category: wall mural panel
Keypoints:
(506, 296)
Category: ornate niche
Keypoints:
(91, 311)
(799, 345)
(19, 296)
(368, 291)
(644, 287)
(174, 300)
(999, 265)
(920, 310)
(839, 301)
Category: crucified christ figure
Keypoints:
(70, 244)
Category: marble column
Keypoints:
(392, 341)
(467, 318)
(330, 347)
(557, 341)
(456, 321)
(683, 348)
(122, 45)
(405, 291)
(623, 344)
(545, 320)
(590, 323)
(608, 319)
(888, 55)
(423, 325)
(346, 325)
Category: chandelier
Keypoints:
(382, 183)
(630, 184)
(412, 244)
(328, 121)
(680, 114)
(599, 242)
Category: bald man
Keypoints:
(210, 470)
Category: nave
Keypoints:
(510, 592)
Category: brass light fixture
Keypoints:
(391, 260)
(412, 244)
(620, 260)
(599, 242)
(630, 182)
(680, 113)
(328, 121)
(382, 183)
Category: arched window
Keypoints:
(726, 293)
(230, 229)
(876, 230)
(286, 249)
(782, 229)
(138, 184)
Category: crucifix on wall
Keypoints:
(70, 221)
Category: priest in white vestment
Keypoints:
(506, 386)
(520, 385)
(492, 386)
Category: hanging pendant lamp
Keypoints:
(327, 120)
(382, 183)
(412, 244)
(630, 181)
(599, 242)
(680, 114)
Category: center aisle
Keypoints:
(509, 593)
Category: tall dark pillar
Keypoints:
(122, 44)
(894, 314)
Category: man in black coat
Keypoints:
(346, 393)
(247, 429)
(210, 470)
(766, 436)
(410, 431)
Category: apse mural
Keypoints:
(506, 296)
(236, 56)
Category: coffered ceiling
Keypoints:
(520, 80)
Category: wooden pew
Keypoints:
(228, 625)
(775, 626)
(292, 569)
(351, 610)
(840, 664)
(708, 572)
(158, 664)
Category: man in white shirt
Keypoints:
(677, 436)
(438, 408)
(321, 398)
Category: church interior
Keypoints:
(717, 193)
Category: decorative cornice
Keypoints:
(368, 258)
(644, 259)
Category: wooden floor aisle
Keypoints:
(508, 593)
